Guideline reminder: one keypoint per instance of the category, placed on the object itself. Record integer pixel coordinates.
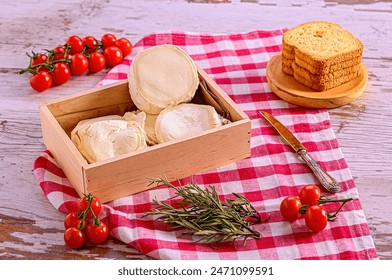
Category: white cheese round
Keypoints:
(161, 77)
(106, 137)
(185, 120)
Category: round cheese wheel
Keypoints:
(185, 120)
(106, 137)
(161, 77)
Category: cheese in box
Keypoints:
(129, 173)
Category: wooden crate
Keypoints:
(128, 174)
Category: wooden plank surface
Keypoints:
(30, 228)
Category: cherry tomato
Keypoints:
(38, 59)
(58, 53)
(91, 43)
(76, 44)
(73, 220)
(316, 218)
(97, 62)
(125, 46)
(113, 56)
(108, 40)
(74, 238)
(97, 234)
(61, 73)
(96, 205)
(310, 194)
(41, 81)
(289, 208)
(79, 64)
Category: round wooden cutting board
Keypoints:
(287, 88)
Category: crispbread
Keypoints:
(355, 62)
(287, 54)
(322, 71)
(335, 70)
(322, 79)
(288, 58)
(325, 85)
(321, 44)
(321, 55)
(287, 69)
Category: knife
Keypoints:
(325, 179)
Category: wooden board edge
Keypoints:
(324, 100)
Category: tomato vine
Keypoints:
(75, 57)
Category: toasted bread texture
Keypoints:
(287, 69)
(322, 43)
(355, 71)
(321, 55)
(327, 84)
(325, 70)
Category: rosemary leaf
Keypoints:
(201, 213)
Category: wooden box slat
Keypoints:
(63, 149)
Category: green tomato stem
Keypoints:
(325, 199)
(332, 216)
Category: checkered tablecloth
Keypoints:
(237, 62)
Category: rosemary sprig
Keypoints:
(201, 213)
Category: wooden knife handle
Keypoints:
(325, 179)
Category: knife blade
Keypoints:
(325, 179)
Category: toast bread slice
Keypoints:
(287, 69)
(321, 44)
(325, 70)
(325, 78)
(326, 85)
(321, 55)
(355, 62)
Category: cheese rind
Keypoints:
(160, 77)
(149, 128)
(185, 120)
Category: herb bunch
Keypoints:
(202, 214)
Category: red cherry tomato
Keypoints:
(113, 56)
(289, 208)
(79, 64)
(125, 46)
(76, 44)
(310, 194)
(39, 59)
(74, 238)
(73, 220)
(41, 81)
(97, 234)
(97, 62)
(108, 40)
(91, 43)
(316, 218)
(96, 205)
(58, 53)
(61, 73)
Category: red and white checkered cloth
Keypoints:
(237, 62)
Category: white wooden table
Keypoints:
(30, 228)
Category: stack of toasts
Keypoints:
(321, 55)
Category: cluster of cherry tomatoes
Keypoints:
(308, 203)
(83, 226)
(76, 57)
